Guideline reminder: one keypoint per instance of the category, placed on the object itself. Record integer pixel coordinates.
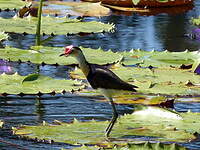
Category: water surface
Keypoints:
(159, 32)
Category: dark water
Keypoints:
(159, 32)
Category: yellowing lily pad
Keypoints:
(57, 26)
(76, 8)
(140, 99)
(3, 36)
(35, 83)
(154, 123)
(4, 4)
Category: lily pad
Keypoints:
(127, 9)
(135, 2)
(50, 55)
(34, 84)
(167, 81)
(129, 98)
(76, 8)
(141, 99)
(3, 36)
(159, 59)
(4, 4)
(196, 21)
(170, 81)
(57, 26)
(137, 146)
(150, 11)
(154, 123)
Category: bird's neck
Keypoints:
(83, 64)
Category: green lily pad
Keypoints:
(4, 4)
(159, 59)
(135, 2)
(16, 84)
(137, 146)
(168, 81)
(150, 122)
(57, 26)
(196, 21)
(50, 55)
(3, 36)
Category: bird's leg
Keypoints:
(113, 120)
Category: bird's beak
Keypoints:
(62, 55)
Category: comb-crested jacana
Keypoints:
(100, 78)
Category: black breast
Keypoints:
(101, 77)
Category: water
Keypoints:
(159, 32)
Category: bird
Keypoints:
(100, 78)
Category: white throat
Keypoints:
(82, 63)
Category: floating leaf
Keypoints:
(16, 84)
(196, 21)
(135, 2)
(50, 55)
(92, 9)
(86, 148)
(137, 146)
(140, 99)
(53, 25)
(3, 36)
(130, 98)
(150, 122)
(159, 59)
(150, 10)
(4, 4)
(76, 8)
(128, 9)
(31, 77)
(168, 81)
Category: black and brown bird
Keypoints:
(100, 78)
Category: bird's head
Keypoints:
(71, 51)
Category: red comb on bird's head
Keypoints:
(67, 51)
